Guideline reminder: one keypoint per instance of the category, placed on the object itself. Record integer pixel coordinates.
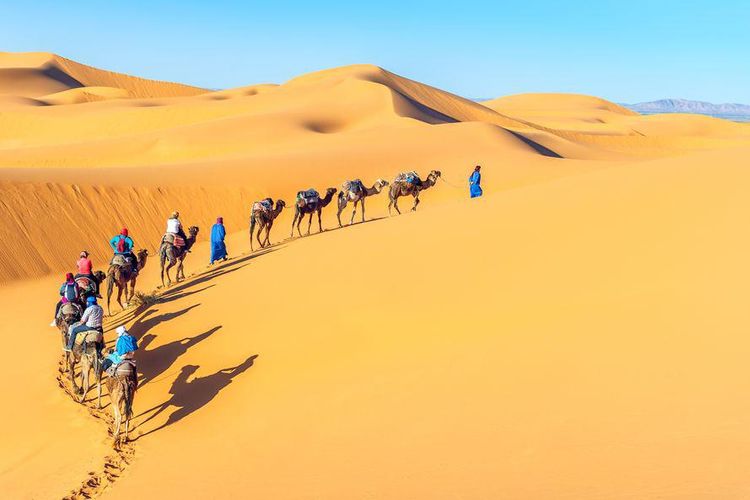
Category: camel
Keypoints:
(87, 354)
(176, 256)
(84, 284)
(122, 386)
(264, 219)
(69, 313)
(402, 188)
(357, 196)
(121, 275)
(301, 208)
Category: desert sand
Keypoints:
(578, 332)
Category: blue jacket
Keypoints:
(128, 244)
(125, 344)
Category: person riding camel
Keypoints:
(122, 244)
(174, 230)
(85, 270)
(124, 350)
(68, 291)
(91, 320)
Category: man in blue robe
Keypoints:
(475, 190)
(218, 248)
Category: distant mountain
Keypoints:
(728, 110)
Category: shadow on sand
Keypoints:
(154, 362)
(187, 397)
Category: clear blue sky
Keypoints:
(627, 51)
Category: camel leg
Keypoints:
(309, 223)
(98, 370)
(363, 209)
(181, 270)
(118, 415)
(320, 226)
(260, 230)
(342, 206)
(416, 202)
(85, 366)
(252, 230)
(170, 264)
(395, 205)
(119, 295)
(354, 212)
(268, 234)
(293, 221)
(72, 372)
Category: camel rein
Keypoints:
(450, 183)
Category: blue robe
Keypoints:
(218, 248)
(475, 190)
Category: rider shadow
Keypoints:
(154, 362)
(187, 397)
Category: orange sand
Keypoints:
(579, 332)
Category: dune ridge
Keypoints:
(35, 74)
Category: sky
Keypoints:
(626, 51)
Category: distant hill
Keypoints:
(733, 111)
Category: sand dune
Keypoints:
(578, 332)
(34, 74)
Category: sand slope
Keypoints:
(578, 332)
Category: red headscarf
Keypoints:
(69, 277)
(124, 231)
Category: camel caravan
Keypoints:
(79, 317)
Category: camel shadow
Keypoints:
(187, 397)
(141, 326)
(227, 267)
(154, 362)
(336, 228)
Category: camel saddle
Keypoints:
(409, 178)
(308, 197)
(89, 337)
(70, 309)
(354, 186)
(174, 239)
(263, 206)
(125, 368)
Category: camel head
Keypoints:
(280, 204)
(331, 191)
(100, 276)
(434, 174)
(193, 231)
(380, 184)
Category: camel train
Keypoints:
(122, 273)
